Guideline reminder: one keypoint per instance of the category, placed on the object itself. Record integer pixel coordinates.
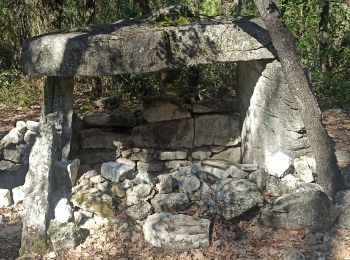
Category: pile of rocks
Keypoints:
(15, 148)
(165, 135)
(175, 208)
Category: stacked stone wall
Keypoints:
(164, 135)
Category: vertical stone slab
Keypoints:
(37, 191)
(58, 103)
(270, 118)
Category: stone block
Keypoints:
(216, 129)
(165, 155)
(173, 134)
(176, 231)
(152, 166)
(231, 155)
(116, 172)
(214, 105)
(97, 138)
(163, 108)
(171, 202)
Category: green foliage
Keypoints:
(303, 17)
(21, 19)
(16, 89)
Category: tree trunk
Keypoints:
(144, 7)
(323, 37)
(328, 175)
(90, 6)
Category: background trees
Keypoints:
(320, 26)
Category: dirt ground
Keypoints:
(238, 239)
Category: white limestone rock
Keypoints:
(233, 197)
(140, 192)
(33, 126)
(201, 153)
(5, 198)
(165, 155)
(176, 231)
(171, 202)
(63, 211)
(139, 211)
(303, 170)
(116, 172)
(18, 194)
(279, 164)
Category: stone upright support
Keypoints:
(52, 145)
(58, 103)
(271, 121)
(38, 191)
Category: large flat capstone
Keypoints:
(139, 45)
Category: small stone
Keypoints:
(176, 231)
(139, 211)
(152, 166)
(234, 197)
(176, 164)
(165, 184)
(188, 183)
(201, 153)
(303, 170)
(144, 156)
(30, 136)
(5, 198)
(52, 255)
(207, 177)
(18, 194)
(63, 211)
(33, 126)
(222, 164)
(171, 202)
(126, 153)
(343, 158)
(138, 193)
(259, 178)
(165, 155)
(217, 148)
(217, 172)
(94, 201)
(279, 165)
(248, 167)
(12, 155)
(78, 216)
(97, 179)
(127, 162)
(88, 175)
(102, 186)
(117, 190)
(231, 154)
(64, 235)
(116, 172)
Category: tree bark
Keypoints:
(328, 175)
(323, 37)
(144, 7)
(90, 6)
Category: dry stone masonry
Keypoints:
(167, 143)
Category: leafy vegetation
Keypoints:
(21, 19)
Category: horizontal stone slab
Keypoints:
(139, 46)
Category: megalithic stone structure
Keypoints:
(141, 45)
